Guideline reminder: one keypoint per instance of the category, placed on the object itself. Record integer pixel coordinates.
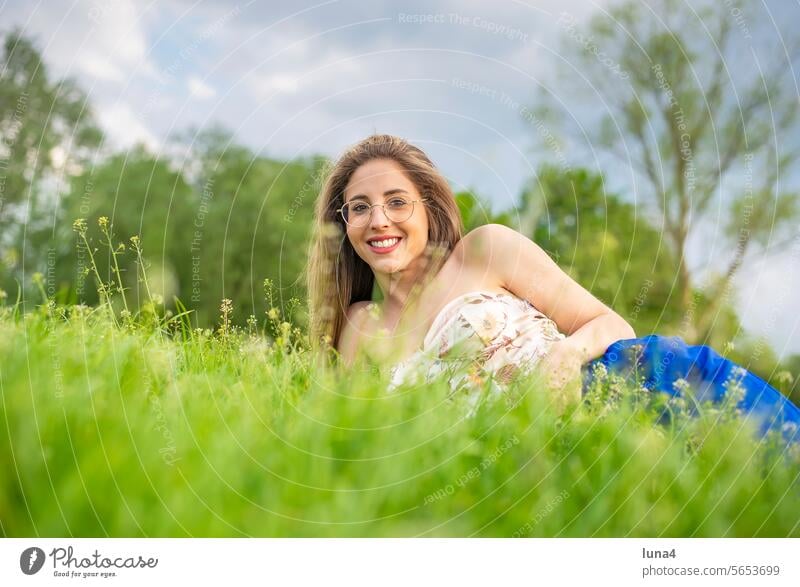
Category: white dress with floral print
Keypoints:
(480, 336)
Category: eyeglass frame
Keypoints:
(372, 206)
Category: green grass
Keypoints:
(123, 430)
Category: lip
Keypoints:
(385, 250)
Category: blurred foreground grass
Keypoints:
(122, 430)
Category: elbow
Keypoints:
(617, 327)
(626, 330)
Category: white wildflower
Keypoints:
(680, 385)
(738, 372)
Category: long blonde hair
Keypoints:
(337, 277)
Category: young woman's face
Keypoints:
(381, 181)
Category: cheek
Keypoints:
(352, 236)
(420, 236)
(423, 228)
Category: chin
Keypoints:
(388, 265)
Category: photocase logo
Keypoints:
(31, 560)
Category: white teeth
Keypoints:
(389, 242)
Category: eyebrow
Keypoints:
(385, 194)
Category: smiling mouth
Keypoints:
(384, 245)
(387, 242)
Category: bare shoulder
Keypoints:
(484, 247)
(487, 233)
(352, 330)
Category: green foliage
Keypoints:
(214, 223)
(243, 219)
(124, 431)
(475, 211)
(37, 116)
(756, 355)
(601, 240)
(140, 196)
(251, 219)
(47, 129)
(789, 377)
(708, 146)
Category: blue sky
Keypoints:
(292, 79)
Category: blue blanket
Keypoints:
(667, 364)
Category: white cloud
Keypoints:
(101, 41)
(116, 35)
(268, 85)
(767, 303)
(200, 89)
(123, 127)
(100, 67)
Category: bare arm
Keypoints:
(350, 338)
(524, 269)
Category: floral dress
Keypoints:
(488, 338)
(480, 337)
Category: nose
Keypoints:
(379, 217)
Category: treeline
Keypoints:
(217, 232)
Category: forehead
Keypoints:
(375, 177)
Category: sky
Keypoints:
(301, 78)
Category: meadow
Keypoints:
(144, 426)
(124, 412)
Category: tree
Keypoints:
(47, 129)
(141, 196)
(475, 211)
(606, 245)
(252, 220)
(704, 133)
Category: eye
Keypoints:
(397, 203)
(358, 208)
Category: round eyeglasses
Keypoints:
(358, 213)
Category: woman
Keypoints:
(489, 304)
